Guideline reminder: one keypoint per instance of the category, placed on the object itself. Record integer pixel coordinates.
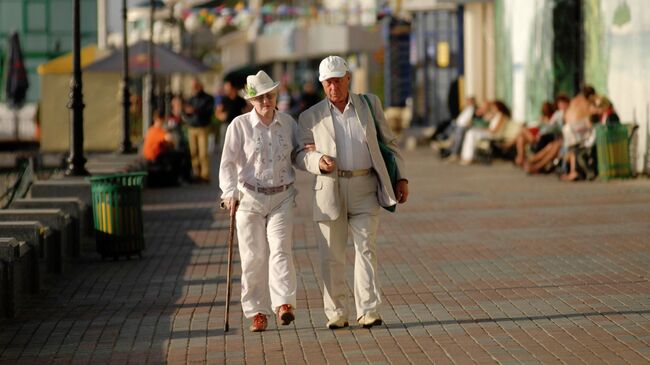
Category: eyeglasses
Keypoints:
(267, 96)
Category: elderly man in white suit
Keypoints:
(340, 148)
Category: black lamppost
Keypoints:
(152, 101)
(76, 160)
(126, 146)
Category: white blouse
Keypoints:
(257, 154)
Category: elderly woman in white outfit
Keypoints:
(256, 179)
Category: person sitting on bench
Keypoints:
(162, 160)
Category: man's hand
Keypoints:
(310, 147)
(402, 191)
(231, 204)
(326, 164)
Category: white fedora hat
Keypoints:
(258, 84)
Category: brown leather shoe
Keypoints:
(259, 323)
(285, 314)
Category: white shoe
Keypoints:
(337, 322)
(370, 319)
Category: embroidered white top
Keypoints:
(258, 154)
(351, 144)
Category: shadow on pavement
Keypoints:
(513, 319)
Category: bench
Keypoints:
(72, 206)
(42, 240)
(16, 274)
(59, 223)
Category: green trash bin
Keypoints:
(117, 213)
(612, 148)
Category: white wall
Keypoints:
(628, 81)
(478, 28)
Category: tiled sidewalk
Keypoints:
(483, 265)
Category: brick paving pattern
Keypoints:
(483, 265)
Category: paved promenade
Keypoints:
(483, 265)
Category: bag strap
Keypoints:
(380, 135)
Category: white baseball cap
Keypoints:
(258, 84)
(332, 66)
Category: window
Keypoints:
(36, 20)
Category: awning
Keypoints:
(166, 61)
(63, 64)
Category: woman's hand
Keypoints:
(231, 204)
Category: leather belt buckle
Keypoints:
(353, 173)
(267, 191)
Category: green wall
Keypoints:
(45, 30)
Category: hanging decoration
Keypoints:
(218, 18)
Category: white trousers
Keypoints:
(265, 235)
(360, 215)
(472, 137)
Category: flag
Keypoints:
(16, 81)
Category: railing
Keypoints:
(16, 184)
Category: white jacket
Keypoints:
(315, 126)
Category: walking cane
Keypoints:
(231, 238)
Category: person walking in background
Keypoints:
(198, 114)
(230, 106)
(339, 146)
(176, 127)
(256, 179)
(309, 96)
(174, 123)
(286, 103)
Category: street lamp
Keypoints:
(126, 146)
(148, 91)
(76, 160)
(152, 102)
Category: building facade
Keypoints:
(45, 30)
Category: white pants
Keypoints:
(265, 235)
(472, 137)
(359, 214)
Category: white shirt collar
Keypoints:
(256, 120)
(348, 104)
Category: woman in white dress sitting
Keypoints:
(500, 115)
